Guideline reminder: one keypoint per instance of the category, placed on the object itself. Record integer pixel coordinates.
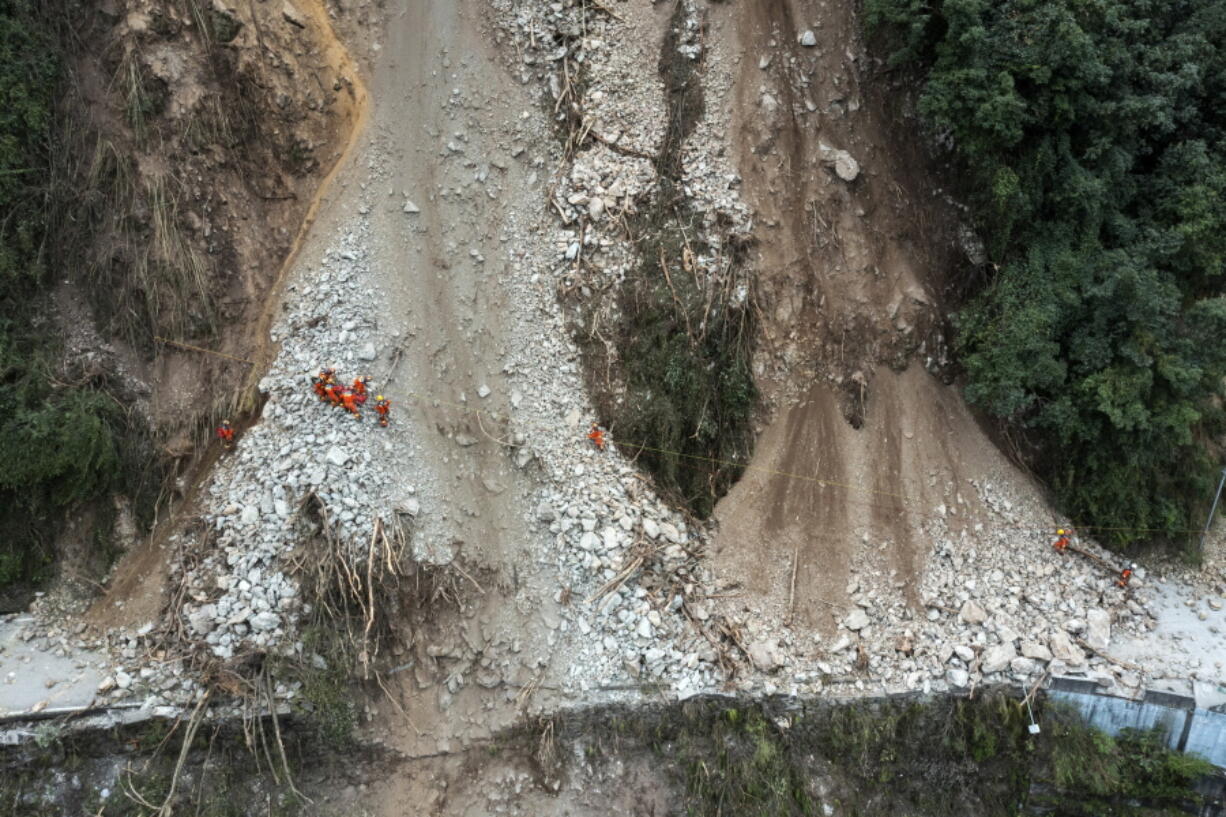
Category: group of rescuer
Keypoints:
(1062, 545)
(329, 389)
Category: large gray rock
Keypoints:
(957, 678)
(857, 620)
(1098, 629)
(972, 613)
(808, 39)
(765, 654)
(264, 621)
(1035, 650)
(292, 15)
(545, 512)
(845, 167)
(337, 456)
(1063, 649)
(203, 619)
(998, 658)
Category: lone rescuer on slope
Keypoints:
(596, 435)
(382, 407)
(225, 433)
(1061, 544)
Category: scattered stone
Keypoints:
(368, 352)
(957, 678)
(410, 207)
(337, 456)
(808, 39)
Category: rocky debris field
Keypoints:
(604, 589)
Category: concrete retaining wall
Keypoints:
(1194, 721)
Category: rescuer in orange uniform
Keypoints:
(321, 388)
(350, 401)
(359, 389)
(333, 390)
(225, 433)
(1061, 544)
(596, 435)
(1125, 575)
(382, 407)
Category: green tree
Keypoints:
(1093, 136)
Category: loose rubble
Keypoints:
(635, 601)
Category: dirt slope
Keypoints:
(861, 438)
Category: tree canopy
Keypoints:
(1092, 135)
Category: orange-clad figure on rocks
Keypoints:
(321, 388)
(333, 390)
(1125, 575)
(225, 433)
(350, 401)
(382, 407)
(596, 435)
(359, 389)
(1061, 544)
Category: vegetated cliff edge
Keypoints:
(147, 212)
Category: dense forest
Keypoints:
(1091, 141)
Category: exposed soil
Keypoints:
(850, 281)
(264, 176)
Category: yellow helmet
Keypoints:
(378, 397)
(1060, 531)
